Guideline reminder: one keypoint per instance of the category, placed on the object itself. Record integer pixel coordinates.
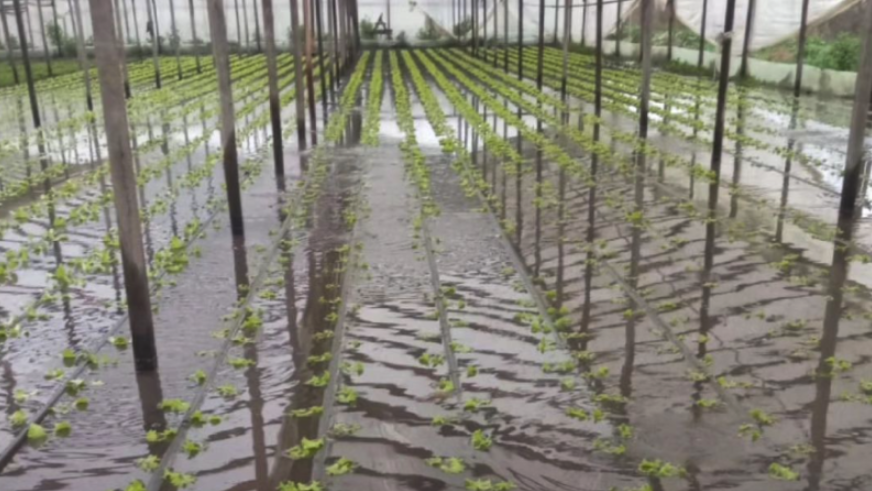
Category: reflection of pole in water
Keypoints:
(785, 180)
(165, 150)
(737, 159)
(190, 164)
(143, 202)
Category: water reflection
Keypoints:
(143, 202)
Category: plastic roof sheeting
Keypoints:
(774, 20)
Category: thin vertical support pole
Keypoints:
(541, 50)
(320, 34)
(670, 7)
(119, 40)
(157, 28)
(388, 8)
(701, 55)
(83, 55)
(126, 37)
(718, 144)
(124, 184)
(221, 52)
(176, 39)
(136, 29)
(619, 29)
(245, 26)
(194, 37)
(298, 75)
(567, 28)
(356, 21)
(584, 22)
(310, 81)
(154, 43)
(746, 45)
(275, 108)
(800, 51)
(340, 26)
(334, 48)
(848, 214)
(8, 40)
(556, 19)
(257, 43)
(520, 40)
(506, 36)
(46, 52)
(647, 28)
(54, 16)
(29, 24)
(484, 27)
(238, 27)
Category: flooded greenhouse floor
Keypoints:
(453, 286)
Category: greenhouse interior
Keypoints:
(484, 245)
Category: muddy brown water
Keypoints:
(754, 324)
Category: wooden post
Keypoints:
(275, 108)
(221, 52)
(8, 40)
(645, 89)
(194, 37)
(746, 46)
(701, 56)
(298, 75)
(174, 32)
(83, 56)
(800, 51)
(46, 52)
(154, 43)
(54, 14)
(156, 27)
(124, 185)
(556, 19)
(339, 7)
(126, 14)
(718, 144)
(310, 82)
(583, 22)
(238, 27)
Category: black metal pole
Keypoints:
(520, 39)
(323, 74)
(800, 50)
(619, 28)
(718, 137)
(746, 46)
(275, 108)
(702, 34)
(671, 36)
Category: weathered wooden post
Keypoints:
(275, 108)
(298, 75)
(718, 143)
(746, 45)
(221, 52)
(124, 185)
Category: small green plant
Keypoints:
(450, 465)
(658, 469)
(179, 480)
(347, 396)
(306, 449)
(341, 467)
(297, 486)
(782, 473)
(480, 441)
